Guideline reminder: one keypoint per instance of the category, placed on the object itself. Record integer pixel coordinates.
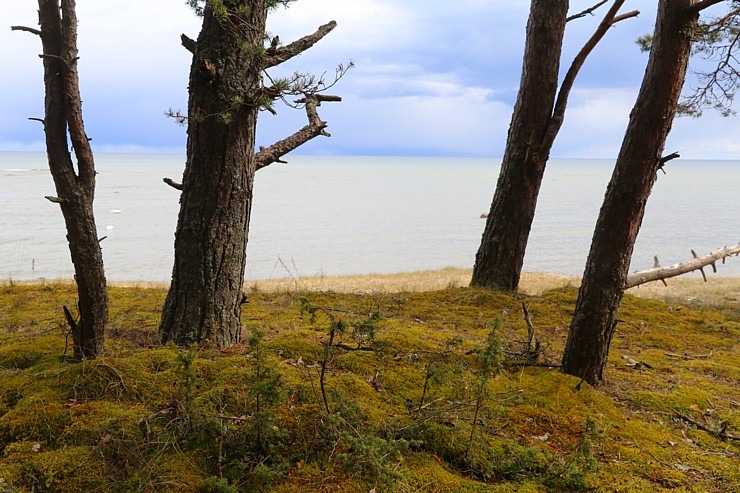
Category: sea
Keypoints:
(339, 215)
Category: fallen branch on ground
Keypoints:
(637, 365)
(720, 433)
(688, 356)
(659, 273)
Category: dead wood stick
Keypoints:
(688, 356)
(173, 183)
(636, 364)
(697, 263)
(722, 433)
(530, 327)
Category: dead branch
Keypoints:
(721, 433)
(665, 159)
(558, 114)
(277, 56)
(637, 365)
(315, 127)
(687, 356)
(26, 29)
(697, 263)
(586, 12)
(699, 6)
(188, 43)
(172, 183)
(70, 319)
(530, 326)
(55, 200)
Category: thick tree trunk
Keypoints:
(75, 189)
(499, 260)
(204, 301)
(634, 174)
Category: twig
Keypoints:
(530, 327)
(637, 365)
(586, 12)
(718, 433)
(26, 29)
(687, 356)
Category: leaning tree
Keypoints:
(537, 118)
(229, 86)
(75, 185)
(639, 160)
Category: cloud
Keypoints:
(430, 77)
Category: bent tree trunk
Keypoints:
(639, 160)
(500, 257)
(204, 300)
(75, 188)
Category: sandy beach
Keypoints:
(686, 289)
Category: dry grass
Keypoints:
(687, 289)
(427, 280)
(717, 290)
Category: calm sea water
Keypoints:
(358, 215)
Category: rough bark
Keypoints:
(204, 302)
(499, 260)
(75, 188)
(659, 273)
(535, 125)
(619, 220)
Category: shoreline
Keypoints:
(688, 288)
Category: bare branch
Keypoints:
(189, 43)
(26, 29)
(55, 200)
(172, 183)
(315, 127)
(665, 159)
(626, 15)
(561, 103)
(34, 119)
(697, 263)
(698, 7)
(279, 55)
(584, 13)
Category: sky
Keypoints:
(431, 78)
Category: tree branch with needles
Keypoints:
(315, 127)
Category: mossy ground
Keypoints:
(408, 409)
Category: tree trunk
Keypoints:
(634, 174)
(75, 188)
(499, 260)
(204, 301)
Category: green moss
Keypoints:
(70, 469)
(401, 408)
